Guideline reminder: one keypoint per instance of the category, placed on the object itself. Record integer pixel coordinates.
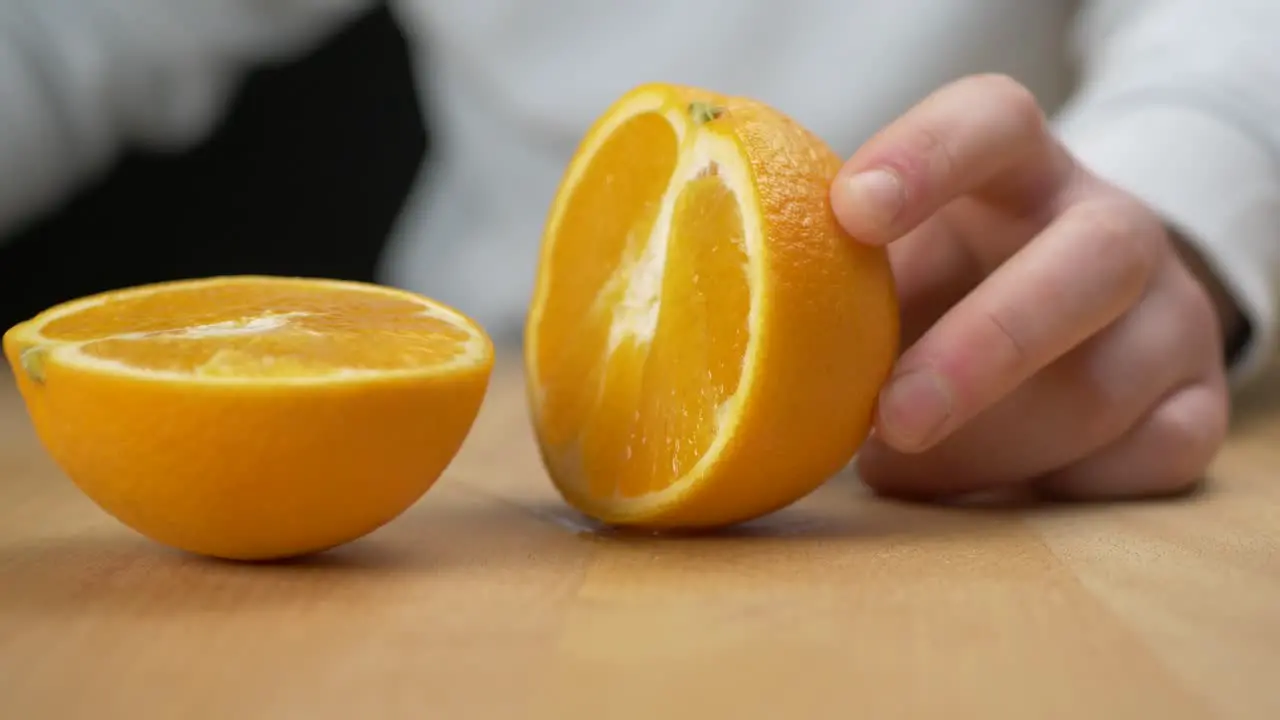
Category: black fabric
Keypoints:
(304, 177)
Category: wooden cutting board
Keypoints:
(490, 599)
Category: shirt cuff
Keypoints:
(1210, 180)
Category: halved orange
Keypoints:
(252, 417)
(704, 344)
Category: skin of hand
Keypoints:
(1054, 334)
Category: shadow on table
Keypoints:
(464, 535)
(846, 516)
(118, 571)
(110, 568)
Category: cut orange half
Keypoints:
(704, 344)
(252, 417)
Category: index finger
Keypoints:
(984, 133)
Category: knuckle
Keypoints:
(1191, 431)
(1129, 241)
(932, 154)
(1017, 101)
(1003, 333)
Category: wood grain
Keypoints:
(490, 599)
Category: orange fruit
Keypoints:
(252, 418)
(704, 344)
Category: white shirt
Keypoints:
(1177, 101)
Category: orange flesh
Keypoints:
(267, 330)
(639, 417)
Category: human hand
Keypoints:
(1052, 333)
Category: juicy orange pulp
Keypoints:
(275, 329)
(654, 419)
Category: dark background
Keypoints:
(304, 177)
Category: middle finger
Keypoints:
(1076, 406)
(938, 263)
(1078, 276)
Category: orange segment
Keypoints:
(652, 422)
(604, 242)
(252, 417)
(704, 343)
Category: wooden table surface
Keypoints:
(490, 599)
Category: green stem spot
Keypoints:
(33, 363)
(703, 112)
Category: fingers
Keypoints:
(1168, 448)
(1168, 452)
(1074, 408)
(1082, 273)
(980, 133)
(934, 266)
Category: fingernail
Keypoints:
(876, 197)
(913, 410)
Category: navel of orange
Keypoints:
(704, 344)
(252, 417)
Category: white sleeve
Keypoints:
(80, 80)
(1179, 104)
